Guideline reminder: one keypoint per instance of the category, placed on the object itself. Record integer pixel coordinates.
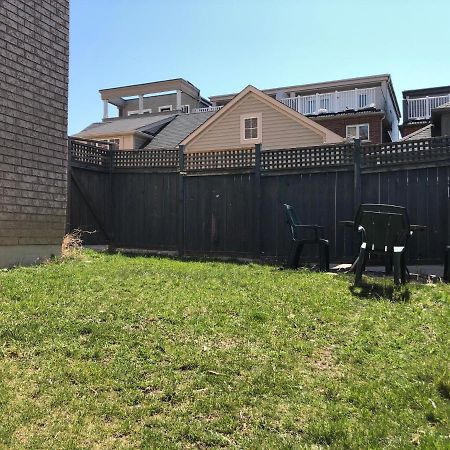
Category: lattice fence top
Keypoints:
(312, 157)
(138, 159)
(220, 160)
(88, 153)
(326, 157)
(405, 152)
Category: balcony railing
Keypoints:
(420, 108)
(336, 101)
(210, 108)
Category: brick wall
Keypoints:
(338, 124)
(33, 121)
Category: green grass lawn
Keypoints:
(118, 352)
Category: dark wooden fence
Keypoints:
(229, 203)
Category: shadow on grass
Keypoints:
(378, 291)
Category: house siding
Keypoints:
(33, 128)
(278, 129)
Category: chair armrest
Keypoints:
(318, 229)
(309, 226)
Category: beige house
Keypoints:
(253, 117)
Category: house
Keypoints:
(364, 108)
(33, 128)
(143, 110)
(419, 106)
(153, 128)
(253, 117)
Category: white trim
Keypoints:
(136, 112)
(357, 125)
(188, 109)
(160, 108)
(258, 139)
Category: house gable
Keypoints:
(281, 127)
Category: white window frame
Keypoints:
(136, 111)
(188, 109)
(161, 108)
(258, 139)
(357, 125)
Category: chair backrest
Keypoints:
(291, 219)
(384, 230)
(380, 207)
(291, 216)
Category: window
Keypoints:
(186, 109)
(165, 108)
(251, 128)
(132, 113)
(358, 131)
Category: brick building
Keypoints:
(33, 128)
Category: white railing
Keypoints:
(420, 108)
(336, 101)
(210, 108)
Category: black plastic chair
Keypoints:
(384, 230)
(447, 264)
(298, 232)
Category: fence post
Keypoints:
(357, 192)
(181, 209)
(110, 216)
(257, 200)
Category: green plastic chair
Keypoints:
(384, 230)
(299, 239)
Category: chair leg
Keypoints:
(403, 267)
(294, 255)
(360, 266)
(397, 267)
(446, 265)
(326, 256)
(388, 264)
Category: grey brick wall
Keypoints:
(33, 121)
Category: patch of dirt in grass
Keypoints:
(323, 360)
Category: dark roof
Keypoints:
(178, 129)
(144, 123)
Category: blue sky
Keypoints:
(222, 46)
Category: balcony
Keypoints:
(420, 108)
(210, 108)
(337, 101)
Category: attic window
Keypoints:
(165, 108)
(251, 128)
